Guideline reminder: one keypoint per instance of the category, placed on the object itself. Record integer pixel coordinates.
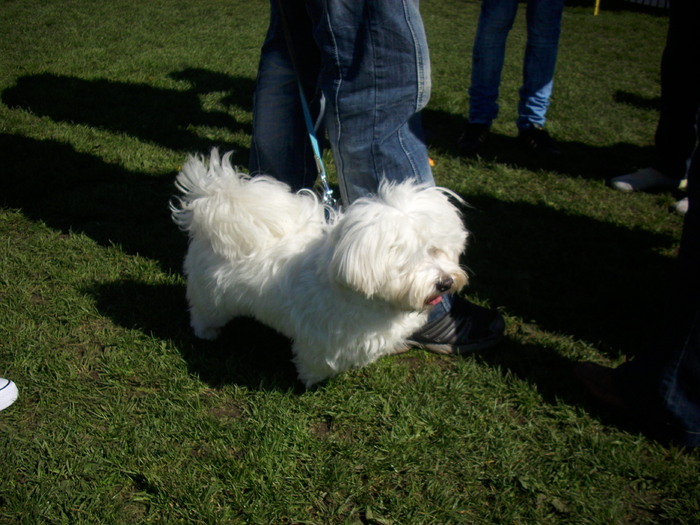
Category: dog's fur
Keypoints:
(346, 290)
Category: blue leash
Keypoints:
(327, 195)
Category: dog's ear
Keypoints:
(359, 255)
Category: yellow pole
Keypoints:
(596, 8)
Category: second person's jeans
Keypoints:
(543, 30)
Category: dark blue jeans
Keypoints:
(665, 384)
(680, 91)
(369, 62)
(543, 30)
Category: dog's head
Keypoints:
(401, 246)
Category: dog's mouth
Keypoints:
(444, 285)
(434, 300)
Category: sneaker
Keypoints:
(465, 328)
(537, 140)
(473, 138)
(643, 180)
(682, 206)
(8, 393)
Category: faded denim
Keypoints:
(369, 62)
(488, 54)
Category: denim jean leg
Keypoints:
(375, 78)
(680, 385)
(675, 136)
(543, 30)
(488, 54)
(280, 145)
(680, 382)
(667, 380)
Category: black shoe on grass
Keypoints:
(537, 140)
(465, 328)
(473, 138)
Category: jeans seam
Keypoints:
(420, 82)
(340, 162)
(420, 93)
(375, 91)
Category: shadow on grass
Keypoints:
(548, 371)
(247, 353)
(77, 192)
(637, 101)
(156, 115)
(166, 116)
(576, 160)
(552, 375)
(574, 275)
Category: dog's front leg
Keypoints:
(207, 318)
(311, 364)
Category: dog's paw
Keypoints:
(207, 333)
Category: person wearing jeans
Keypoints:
(660, 390)
(674, 140)
(369, 63)
(488, 54)
(365, 70)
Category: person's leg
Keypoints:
(495, 22)
(675, 138)
(376, 79)
(543, 30)
(280, 145)
(680, 378)
(661, 389)
(680, 384)
(680, 91)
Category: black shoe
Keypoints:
(599, 381)
(473, 138)
(601, 384)
(465, 328)
(537, 140)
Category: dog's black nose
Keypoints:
(444, 284)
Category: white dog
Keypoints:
(346, 290)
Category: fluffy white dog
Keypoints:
(346, 290)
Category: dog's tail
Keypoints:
(235, 211)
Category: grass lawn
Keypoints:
(124, 417)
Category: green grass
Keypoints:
(124, 417)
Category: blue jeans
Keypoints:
(543, 30)
(680, 92)
(369, 62)
(666, 382)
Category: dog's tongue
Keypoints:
(435, 301)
